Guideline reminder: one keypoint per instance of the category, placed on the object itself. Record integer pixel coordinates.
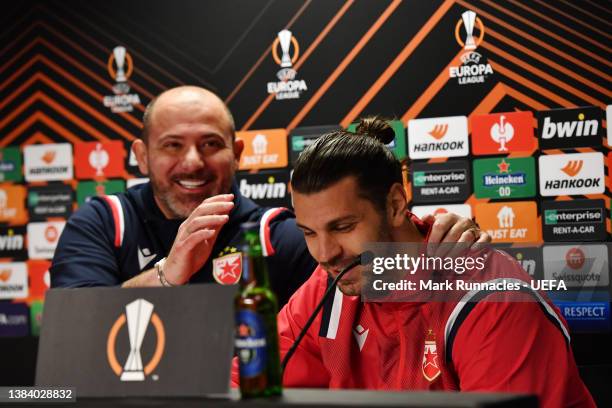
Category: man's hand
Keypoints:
(196, 237)
(451, 229)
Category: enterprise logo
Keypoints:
(440, 182)
(574, 220)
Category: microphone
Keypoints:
(364, 258)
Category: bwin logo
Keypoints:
(263, 190)
(529, 265)
(11, 241)
(576, 128)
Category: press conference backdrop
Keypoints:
(499, 109)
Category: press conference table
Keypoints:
(325, 398)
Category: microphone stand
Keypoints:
(363, 259)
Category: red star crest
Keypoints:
(227, 269)
(431, 369)
(503, 166)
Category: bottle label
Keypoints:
(250, 343)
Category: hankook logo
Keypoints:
(571, 174)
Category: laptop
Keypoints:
(117, 342)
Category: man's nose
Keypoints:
(193, 158)
(329, 249)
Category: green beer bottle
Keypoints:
(256, 333)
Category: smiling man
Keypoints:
(347, 192)
(184, 225)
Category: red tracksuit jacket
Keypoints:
(472, 346)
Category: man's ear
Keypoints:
(238, 149)
(140, 151)
(396, 205)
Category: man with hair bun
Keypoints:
(348, 191)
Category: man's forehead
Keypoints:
(189, 108)
(339, 202)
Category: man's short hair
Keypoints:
(147, 118)
(340, 154)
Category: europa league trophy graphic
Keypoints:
(284, 37)
(469, 18)
(138, 315)
(119, 53)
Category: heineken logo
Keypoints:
(504, 178)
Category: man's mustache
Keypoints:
(199, 175)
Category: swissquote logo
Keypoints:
(43, 238)
(138, 315)
(464, 210)
(120, 67)
(288, 85)
(474, 67)
(571, 174)
(577, 265)
(569, 128)
(438, 137)
(48, 162)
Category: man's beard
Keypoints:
(181, 207)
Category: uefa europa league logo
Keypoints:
(284, 37)
(119, 53)
(138, 315)
(469, 18)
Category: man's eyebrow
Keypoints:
(333, 222)
(301, 226)
(340, 220)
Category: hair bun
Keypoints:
(376, 127)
